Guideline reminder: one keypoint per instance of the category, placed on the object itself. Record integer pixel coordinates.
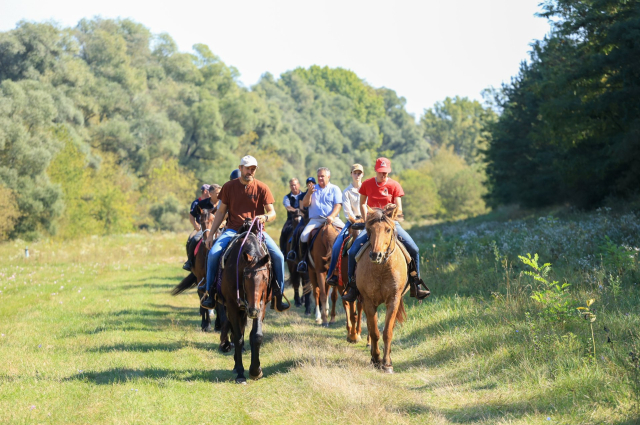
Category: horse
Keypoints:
(353, 311)
(382, 278)
(294, 275)
(318, 265)
(244, 292)
(286, 243)
(198, 273)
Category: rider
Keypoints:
(291, 204)
(243, 198)
(292, 255)
(194, 219)
(324, 201)
(351, 205)
(377, 192)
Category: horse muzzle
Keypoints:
(252, 313)
(376, 257)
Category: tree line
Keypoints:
(108, 128)
(569, 128)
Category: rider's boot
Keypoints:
(302, 265)
(333, 280)
(415, 291)
(277, 294)
(208, 301)
(352, 294)
(187, 266)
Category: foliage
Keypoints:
(614, 256)
(9, 212)
(570, 125)
(552, 296)
(459, 124)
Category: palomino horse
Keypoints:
(353, 310)
(381, 278)
(199, 272)
(320, 257)
(245, 280)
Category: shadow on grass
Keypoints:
(491, 412)
(125, 375)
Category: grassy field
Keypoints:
(90, 334)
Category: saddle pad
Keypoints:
(404, 251)
(195, 251)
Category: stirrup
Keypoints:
(287, 304)
(302, 267)
(351, 295)
(206, 298)
(332, 280)
(416, 292)
(291, 255)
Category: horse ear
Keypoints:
(391, 211)
(263, 261)
(247, 257)
(370, 210)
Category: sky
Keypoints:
(424, 50)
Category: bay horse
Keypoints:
(381, 278)
(318, 266)
(353, 310)
(244, 292)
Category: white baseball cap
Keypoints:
(248, 161)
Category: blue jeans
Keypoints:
(213, 260)
(403, 236)
(335, 252)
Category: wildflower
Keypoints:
(62, 287)
(1, 334)
(32, 407)
(40, 346)
(517, 330)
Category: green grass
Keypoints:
(90, 334)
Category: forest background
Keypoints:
(106, 128)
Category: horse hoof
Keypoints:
(368, 345)
(255, 378)
(387, 369)
(241, 381)
(318, 321)
(225, 347)
(206, 329)
(325, 325)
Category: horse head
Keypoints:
(255, 277)
(206, 218)
(298, 215)
(381, 229)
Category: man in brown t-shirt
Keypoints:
(243, 198)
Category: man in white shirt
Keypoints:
(351, 205)
(324, 201)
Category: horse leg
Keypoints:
(206, 320)
(221, 317)
(294, 278)
(374, 333)
(358, 321)
(334, 301)
(316, 294)
(225, 344)
(307, 303)
(387, 334)
(255, 339)
(238, 339)
(322, 298)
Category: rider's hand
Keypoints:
(262, 218)
(311, 187)
(209, 242)
(329, 220)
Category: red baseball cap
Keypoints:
(383, 165)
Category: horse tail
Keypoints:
(187, 283)
(401, 315)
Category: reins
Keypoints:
(261, 238)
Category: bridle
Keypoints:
(394, 242)
(242, 302)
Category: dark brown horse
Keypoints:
(381, 277)
(295, 277)
(320, 257)
(198, 273)
(244, 291)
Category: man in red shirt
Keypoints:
(377, 192)
(243, 198)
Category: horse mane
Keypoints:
(252, 247)
(377, 216)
